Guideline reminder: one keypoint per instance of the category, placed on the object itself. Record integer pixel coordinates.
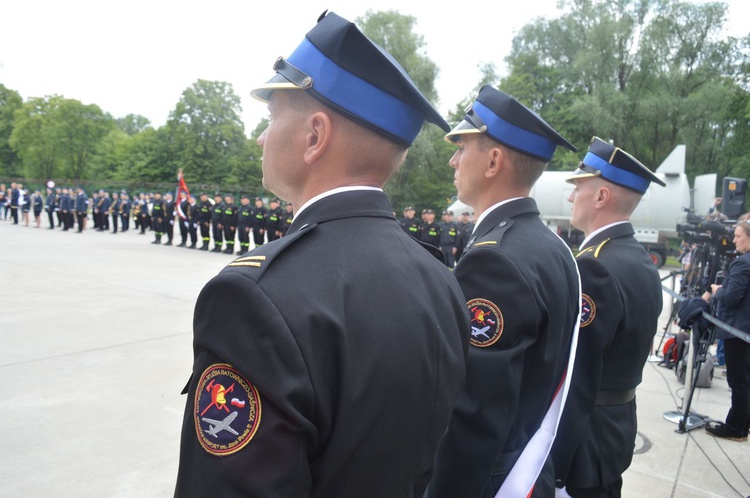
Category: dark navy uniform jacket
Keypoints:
(521, 284)
(354, 337)
(622, 300)
(734, 298)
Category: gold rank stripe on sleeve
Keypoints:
(253, 261)
(486, 243)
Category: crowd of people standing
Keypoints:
(221, 224)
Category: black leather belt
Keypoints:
(610, 398)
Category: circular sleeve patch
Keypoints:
(588, 310)
(486, 322)
(227, 410)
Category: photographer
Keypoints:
(733, 308)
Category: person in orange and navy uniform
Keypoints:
(326, 362)
(522, 289)
(622, 299)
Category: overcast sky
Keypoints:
(138, 56)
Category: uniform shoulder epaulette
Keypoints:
(593, 249)
(493, 237)
(260, 258)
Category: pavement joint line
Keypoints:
(679, 468)
(103, 348)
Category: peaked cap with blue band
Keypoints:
(503, 118)
(614, 165)
(346, 71)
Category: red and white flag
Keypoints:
(181, 187)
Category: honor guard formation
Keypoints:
(348, 352)
(222, 225)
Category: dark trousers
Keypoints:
(613, 490)
(145, 222)
(183, 229)
(14, 214)
(205, 232)
(115, 216)
(737, 355)
(81, 216)
(271, 234)
(448, 256)
(243, 234)
(158, 226)
(258, 236)
(218, 235)
(125, 222)
(193, 229)
(169, 228)
(229, 236)
(51, 217)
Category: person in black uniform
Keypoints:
(65, 207)
(51, 207)
(204, 221)
(326, 362)
(259, 222)
(244, 224)
(145, 204)
(448, 238)
(170, 211)
(273, 221)
(15, 195)
(193, 214)
(229, 222)
(114, 210)
(125, 206)
(465, 227)
(81, 208)
(522, 289)
(157, 217)
(218, 229)
(184, 207)
(287, 218)
(410, 223)
(622, 300)
(429, 232)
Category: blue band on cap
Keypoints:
(617, 175)
(514, 136)
(356, 95)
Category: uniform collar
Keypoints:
(503, 210)
(344, 203)
(611, 231)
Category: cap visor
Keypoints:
(578, 175)
(462, 128)
(278, 82)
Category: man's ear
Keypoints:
(495, 162)
(603, 197)
(318, 136)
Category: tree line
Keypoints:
(646, 74)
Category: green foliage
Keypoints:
(207, 136)
(646, 74)
(56, 137)
(10, 100)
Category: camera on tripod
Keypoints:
(697, 230)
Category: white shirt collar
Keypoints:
(327, 193)
(490, 209)
(599, 230)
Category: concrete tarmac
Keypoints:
(95, 347)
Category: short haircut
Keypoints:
(526, 169)
(371, 149)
